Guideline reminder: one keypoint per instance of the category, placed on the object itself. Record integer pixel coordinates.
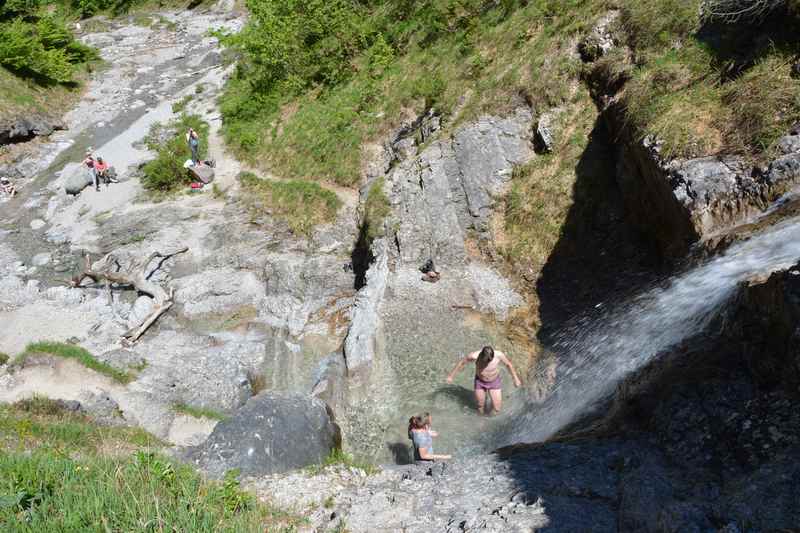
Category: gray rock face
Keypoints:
(680, 202)
(361, 343)
(545, 136)
(451, 187)
(218, 291)
(600, 40)
(270, 434)
(26, 128)
(298, 285)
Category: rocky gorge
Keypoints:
(671, 406)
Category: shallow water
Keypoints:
(417, 361)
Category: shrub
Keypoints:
(3, 358)
(26, 51)
(165, 173)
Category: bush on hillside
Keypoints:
(44, 49)
(166, 173)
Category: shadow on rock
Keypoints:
(599, 256)
(401, 453)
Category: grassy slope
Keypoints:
(492, 64)
(69, 351)
(301, 204)
(59, 472)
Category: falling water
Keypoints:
(596, 355)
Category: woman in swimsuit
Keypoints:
(487, 376)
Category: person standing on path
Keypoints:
(194, 144)
(487, 376)
(89, 162)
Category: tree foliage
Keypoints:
(36, 43)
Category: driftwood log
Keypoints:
(137, 277)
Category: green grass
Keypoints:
(700, 99)
(376, 209)
(487, 57)
(199, 412)
(542, 192)
(76, 353)
(481, 60)
(301, 204)
(338, 457)
(60, 472)
(39, 422)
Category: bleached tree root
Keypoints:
(137, 277)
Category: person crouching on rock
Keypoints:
(89, 162)
(421, 435)
(101, 169)
(487, 376)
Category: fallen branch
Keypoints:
(136, 276)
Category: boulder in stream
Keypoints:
(271, 434)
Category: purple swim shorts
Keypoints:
(488, 385)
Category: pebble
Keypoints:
(37, 223)
(41, 259)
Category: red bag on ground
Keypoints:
(196, 185)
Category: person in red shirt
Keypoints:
(101, 168)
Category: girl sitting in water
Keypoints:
(421, 434)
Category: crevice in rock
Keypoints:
(362, 257)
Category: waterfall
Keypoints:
(595, 355)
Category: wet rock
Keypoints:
(271, 434)
(24, 129)
(360, 344)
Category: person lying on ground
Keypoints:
(487, 376)
(7, 188)
(421, 435)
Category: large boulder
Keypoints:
(272, 433)
(76, 181)
(202, 173)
